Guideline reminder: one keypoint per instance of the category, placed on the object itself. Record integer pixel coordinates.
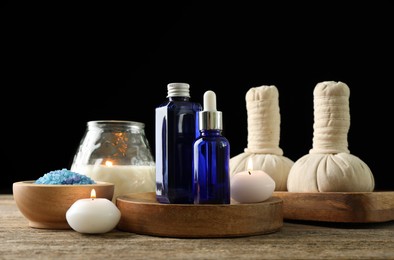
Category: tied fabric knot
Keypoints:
(332, 118)
(263, 120)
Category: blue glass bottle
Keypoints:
(176, 130)
(211, 157)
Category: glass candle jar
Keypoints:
(117, 151)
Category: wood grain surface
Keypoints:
(295, 240)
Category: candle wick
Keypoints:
(249, 173)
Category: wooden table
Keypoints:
(295, 240)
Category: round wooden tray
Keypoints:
(142, 214)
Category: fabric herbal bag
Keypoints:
(329, 166)
(262, 104)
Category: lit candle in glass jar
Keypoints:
(118, 152)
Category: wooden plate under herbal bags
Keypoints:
(350, 207)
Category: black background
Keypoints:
(64, 64)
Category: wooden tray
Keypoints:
(354, 207)
(142, 214)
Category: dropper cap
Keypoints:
(178, 90)
(210, 118)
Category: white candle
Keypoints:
(126, 178)
(93, 216)
(251, 186)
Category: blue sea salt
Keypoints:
(64, 176)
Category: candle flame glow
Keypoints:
(250, 164)
(93, 194)
(108, 163)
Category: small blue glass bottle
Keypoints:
(211, 157)
(176, 130)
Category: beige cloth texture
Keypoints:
(329, 166)
(262, 104)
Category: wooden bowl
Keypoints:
(45, 205)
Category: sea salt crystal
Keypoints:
(64, 176)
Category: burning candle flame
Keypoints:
(108, 163)
(250, 164)
(93, 194)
